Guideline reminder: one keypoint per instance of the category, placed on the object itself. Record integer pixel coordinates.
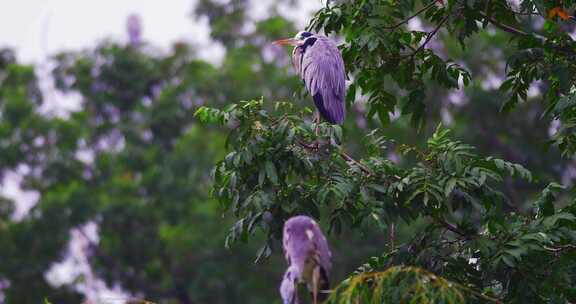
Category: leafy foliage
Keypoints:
(499, 259)
(381, 48)
(273, 172)
(272, 165)
(402, 285)
(443, 220)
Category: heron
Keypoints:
(319, 63)
(309, 259)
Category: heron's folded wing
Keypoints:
(322, 70)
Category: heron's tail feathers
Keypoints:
(331, 109)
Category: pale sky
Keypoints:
(37, 28)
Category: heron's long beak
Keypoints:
(289, 41)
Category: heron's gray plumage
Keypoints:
(319, 64)
(288, 288)
(306, 250)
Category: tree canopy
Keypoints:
(451, 181)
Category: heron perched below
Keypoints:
(308, 256)
(319, 64)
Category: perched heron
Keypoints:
(308, 256)
(134, 29)
(319, 64)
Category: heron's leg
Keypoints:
(317, 120)
(316, 143)
(315, 279)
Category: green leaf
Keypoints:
(508, 260)
(554, 219)
(271, 172)
(449, 186)
(509, 104)
(263, 253)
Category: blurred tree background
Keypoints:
(130, 171)
(134, 162)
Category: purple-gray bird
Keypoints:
(308, 256)
(319, 64)
(134, 29)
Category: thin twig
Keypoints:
(504, 27)
(307, 146)
(430, 36)
(392, 235)
(451, 227)
(481, 295)
(533, 13)
(411, 17)
(276, 121)
(487, 11)
(509, 29)
(560, 248)
(348, 158)
(342, 154)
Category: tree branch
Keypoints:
(560, 248)
(392, 236)
(451, 227)
(430, 36)
(342, 154)
(507, 28)
(483, 296)
(348, 158)
(411, 17)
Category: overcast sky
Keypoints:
(37, 28)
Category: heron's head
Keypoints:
(301, 226)
(298, 40)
